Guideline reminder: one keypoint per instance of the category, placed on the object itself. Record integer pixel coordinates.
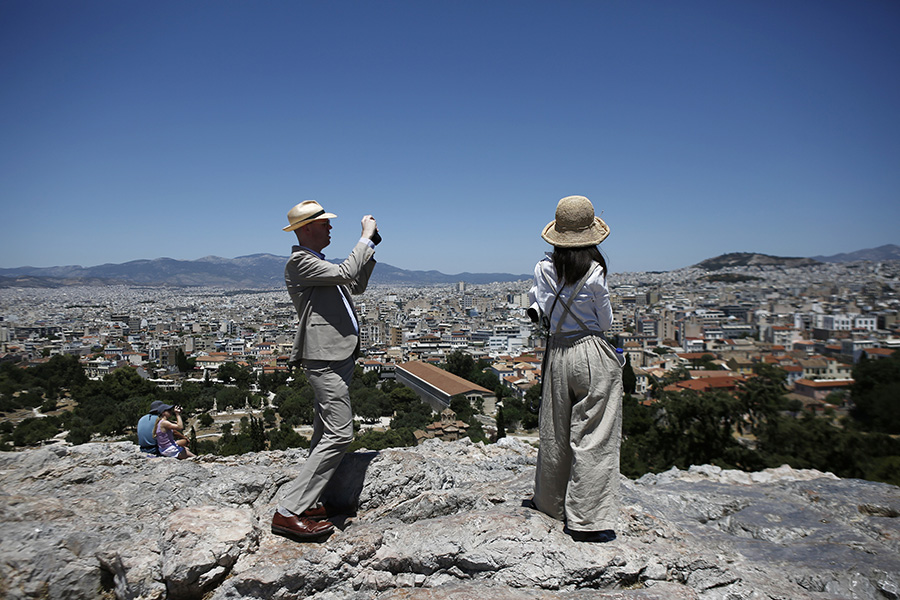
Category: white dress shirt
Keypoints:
(591, 305)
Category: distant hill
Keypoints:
(27, 281)
(886, 252)
(267, 271)
(253, 271)
(750, 259)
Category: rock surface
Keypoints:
(443, 521)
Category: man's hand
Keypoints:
(368, 226)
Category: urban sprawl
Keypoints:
(814, 322)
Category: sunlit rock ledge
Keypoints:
(444, 520)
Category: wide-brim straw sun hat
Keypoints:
(306, 212)
(575, 225)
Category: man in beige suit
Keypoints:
(326, 347)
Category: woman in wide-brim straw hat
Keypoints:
(577, 476)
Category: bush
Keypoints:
(79, 435)
(286, 437)
(33, 431)
(379, 440)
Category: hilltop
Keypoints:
(440, 521)
(753, 259)
(750, 259)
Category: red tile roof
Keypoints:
(443, 380)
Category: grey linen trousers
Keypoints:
(580, 423)
(332, 431)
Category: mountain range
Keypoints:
(886, 252)
(267, 271)
(253, 271)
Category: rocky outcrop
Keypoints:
(438, 522)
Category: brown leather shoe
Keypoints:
(316, 512)
(301, 529)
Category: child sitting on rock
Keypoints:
(166, 431)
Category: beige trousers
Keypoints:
(332, 432)
(577, 477)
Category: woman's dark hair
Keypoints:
(572, 263)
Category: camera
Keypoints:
(376, 238)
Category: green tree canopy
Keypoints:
(629, 380)
(876, 394)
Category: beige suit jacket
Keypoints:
(326, 330)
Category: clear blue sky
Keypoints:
(185, 129)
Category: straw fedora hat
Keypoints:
(306, 212)
(575, 225)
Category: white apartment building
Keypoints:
(836, 322)
(845, 322)
(865, 322)
(855, 348)
(236, 346)
(781, 335)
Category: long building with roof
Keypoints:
(435, 386)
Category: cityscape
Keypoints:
(813, 321)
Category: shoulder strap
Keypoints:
(568, 305)
(555, 299)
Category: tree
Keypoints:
(32, 431)
(370, 379)
(370, 404)
(461, 364)
(464, 412)
(409, 411)
(379, 440)
(244, 378)
(181, 361)
(876, 394)
(462, 407)
(269, 382)
(629, 380)
(533, 397)
(285, 437)
(637, 423)
(501, 425)
(657, 386)
(269, 417)
(295, 406)
(696, 429)
(516, 414)
(762, 396)
(705, 362)
(229, 398)
(232, 372)
(79, 434)
(257, 435)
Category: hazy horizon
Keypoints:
(448, 273)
